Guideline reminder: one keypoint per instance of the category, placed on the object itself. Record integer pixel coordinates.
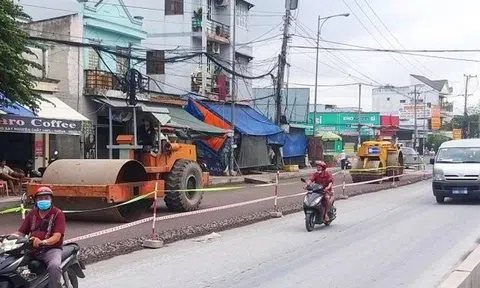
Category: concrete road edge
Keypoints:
(465, 275)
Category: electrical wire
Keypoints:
(396, 39)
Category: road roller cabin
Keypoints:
(375, 160)
(96, 185)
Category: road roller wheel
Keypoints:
(185, 174)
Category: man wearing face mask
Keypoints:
(45, 225)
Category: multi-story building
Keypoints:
(85, 73)
(189, 27)
(431, 104)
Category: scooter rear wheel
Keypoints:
(310, 221)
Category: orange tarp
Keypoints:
(215, 142)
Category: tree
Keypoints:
(435, 140)
(15, 80)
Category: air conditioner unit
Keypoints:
(221, 3)
(215, 48)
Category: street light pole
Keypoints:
(319, 30)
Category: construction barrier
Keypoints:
(21, 209)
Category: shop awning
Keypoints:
(57, 109)
(328, 136)
(248, 121)
(168, 115)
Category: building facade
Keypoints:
(431, 102)
(82, 70)
(86, 72)
(189, 27)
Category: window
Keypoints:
(93, 59)
(388, 98)
(242, 12)
(173, 7)
(403, 101)
(122, 62)
(155, 62)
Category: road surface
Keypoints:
(10, 223)
(394, 238)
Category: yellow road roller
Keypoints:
(375, 160)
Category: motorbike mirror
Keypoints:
(12, 237)
(303, 180)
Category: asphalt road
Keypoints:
(10, 223)
(396, 238)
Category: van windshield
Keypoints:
(459, 155)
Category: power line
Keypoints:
(400, 51)
(373, 37)
(395, 38)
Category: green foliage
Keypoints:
(435, 140)
(15, 80)
(329, 159)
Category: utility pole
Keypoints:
(282, 60)
(424, 122)
(415, 135)
(466, 124)
(359, 115)
(319, 31)
(233, 90)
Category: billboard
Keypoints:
(345, 123)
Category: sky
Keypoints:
(410, 24)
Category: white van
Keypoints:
(456, 170)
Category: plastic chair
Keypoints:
(4, 187)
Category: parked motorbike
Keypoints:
(53, 159)
(313, 208)
(19, 269)
(30, 171)
(348, 164)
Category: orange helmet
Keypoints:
(41, 191)
(321, 164)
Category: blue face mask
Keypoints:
(44, 204)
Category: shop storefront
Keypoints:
(27, 136)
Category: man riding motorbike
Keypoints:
(324, 178)
(45, 225)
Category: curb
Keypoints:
(102, 252)
(9, 203)
(465, 275)
(263, 179)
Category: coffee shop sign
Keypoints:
(19, 124)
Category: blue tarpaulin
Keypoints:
(14, 108)
(248, 121)
(295, 143)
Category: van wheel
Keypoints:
(440, 199)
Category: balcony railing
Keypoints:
(215, 30)
(447, 107)
(99, 80)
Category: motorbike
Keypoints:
(55, 157)
(348, 164)
(313, 208)
(19, 269)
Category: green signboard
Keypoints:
(345, 123)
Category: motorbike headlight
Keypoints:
(438, 177)
(316, 201)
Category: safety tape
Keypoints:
(22, 210)
(186, 214)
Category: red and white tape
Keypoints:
(208, 210)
